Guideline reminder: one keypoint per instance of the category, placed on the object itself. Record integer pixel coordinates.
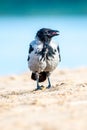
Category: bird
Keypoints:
(43, 56)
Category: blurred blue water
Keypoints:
(17, 32)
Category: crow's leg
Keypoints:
(49, 83)
(37, 78)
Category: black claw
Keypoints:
(38, 88)
(49, 86)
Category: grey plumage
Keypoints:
(44, 55)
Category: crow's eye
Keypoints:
(47, 32)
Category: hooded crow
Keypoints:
(43, 56)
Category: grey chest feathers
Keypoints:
(45, 58)
(46, 53)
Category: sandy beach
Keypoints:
(63, 107)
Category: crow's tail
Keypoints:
(42, 76)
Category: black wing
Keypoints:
(59, 53)
(30, 50)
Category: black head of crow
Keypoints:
(44, 56)
(46, 34)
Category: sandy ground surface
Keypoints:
(63, 107)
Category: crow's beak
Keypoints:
(55, 32)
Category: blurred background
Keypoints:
(20, 20)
